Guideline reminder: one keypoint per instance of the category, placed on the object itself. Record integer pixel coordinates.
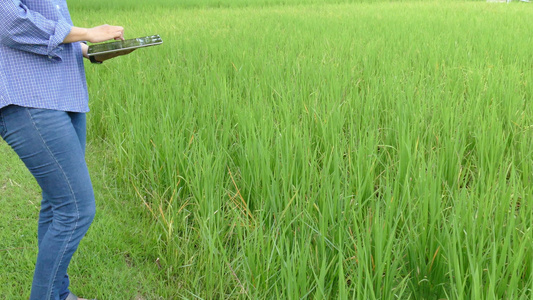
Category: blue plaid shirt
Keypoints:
(36, 69)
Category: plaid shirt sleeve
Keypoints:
(27, 30)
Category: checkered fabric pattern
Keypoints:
(36, 69)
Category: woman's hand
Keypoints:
(96, 34)
(104, 33)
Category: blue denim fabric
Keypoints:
(52, 145)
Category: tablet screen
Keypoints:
(124, 45)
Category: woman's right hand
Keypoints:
(96, 34)
(104, 33)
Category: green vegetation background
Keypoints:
(324, 150)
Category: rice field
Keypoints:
(306, 149)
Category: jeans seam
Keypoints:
(3, 128)
(71, 191)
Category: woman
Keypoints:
(43, 101)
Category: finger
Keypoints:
(121, 31)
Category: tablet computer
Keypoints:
(129, 44)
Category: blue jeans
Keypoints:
(52, 146)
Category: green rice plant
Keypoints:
(376, 150)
